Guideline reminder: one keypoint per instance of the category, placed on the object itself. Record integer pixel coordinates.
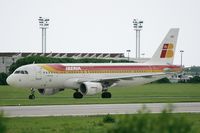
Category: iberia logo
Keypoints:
(167, 51)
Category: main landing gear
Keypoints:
(77, 95)
(32, 96)
(106, 95)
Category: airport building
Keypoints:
(7, 58)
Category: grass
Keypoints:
(94, 124)
(56, 125)
(167, 93)
(91, 124)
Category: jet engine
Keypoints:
(49, 91)
(90, 88)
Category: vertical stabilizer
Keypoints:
(164, 55)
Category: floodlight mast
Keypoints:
(137, 25)
(43, 24)
(181, 51)
(128, 51)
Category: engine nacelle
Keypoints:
(49, 91)
(90, 88)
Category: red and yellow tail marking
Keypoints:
(167, 51)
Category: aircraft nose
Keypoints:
(9, 80)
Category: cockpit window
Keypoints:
(25, 72)
(21, 72)
(17, 72)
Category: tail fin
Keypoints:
(164, 55)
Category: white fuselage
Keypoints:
(44, 76)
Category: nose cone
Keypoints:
(10, 80)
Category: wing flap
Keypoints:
(117, 78)
(130, 77)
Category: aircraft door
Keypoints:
(38, 74)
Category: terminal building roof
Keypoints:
(64, 55)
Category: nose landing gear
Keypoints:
(32, 96)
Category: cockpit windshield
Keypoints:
(21, 72)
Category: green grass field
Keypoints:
(141, 94)
(91, 124)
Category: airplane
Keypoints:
(94, 78)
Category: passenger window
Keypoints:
(22, 72)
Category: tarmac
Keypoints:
(95, 109)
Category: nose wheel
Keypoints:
(32, 96)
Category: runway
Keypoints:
(94, 109)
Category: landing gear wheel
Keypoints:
(77, 95)
(31, 97)
(106, 95)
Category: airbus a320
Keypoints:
(90, 79)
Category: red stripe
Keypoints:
(154, 67)
(125, 67)
(163, 54)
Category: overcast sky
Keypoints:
(100, 26)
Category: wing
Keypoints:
(109, 81)
(129, 77)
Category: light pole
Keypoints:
(128, 51)
(181, 57)
(137, 25)
(44, 24)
